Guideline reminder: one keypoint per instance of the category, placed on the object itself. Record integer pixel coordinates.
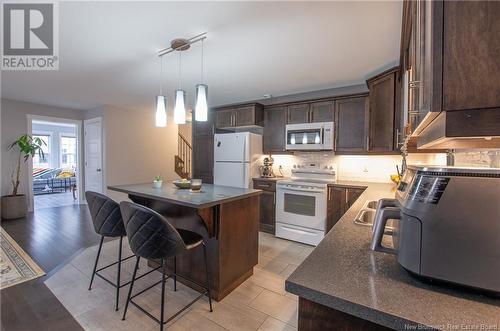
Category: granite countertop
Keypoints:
(344, 274)
(209, 196)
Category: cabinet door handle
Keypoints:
(413, 84)
(274, 198)
(368, 142)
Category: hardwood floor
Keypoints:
(54, 200)
(50, 236)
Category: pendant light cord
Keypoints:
(202, 58)
(161, 75)
(180, 60)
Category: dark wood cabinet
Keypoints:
(449, 53)
(273, 139)
(384, 96)
(298, 113)
(471, 55)
(351, 124)
(267, 216)
(224, 118)
(203, 149)
(322, 111)
(340, 199)
(240, 116)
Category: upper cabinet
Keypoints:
(320, 111)
(384, 96)
(451, 70)
(471, 55)
(239, 116)
(273, 139)
(298, 114)
(351, 124)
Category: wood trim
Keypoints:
(406, 26)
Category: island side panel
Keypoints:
(238, 233)
(313, 316)
(192, 264)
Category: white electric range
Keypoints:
(301, 203)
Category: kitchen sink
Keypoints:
(370, 204)
(365, 217)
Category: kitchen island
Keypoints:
(227, 218)
(343, 285)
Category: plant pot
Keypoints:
(14, 206)
(157, 183)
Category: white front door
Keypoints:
(93, 155)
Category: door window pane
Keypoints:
(300, 204)
(39, 161)
(68, 152)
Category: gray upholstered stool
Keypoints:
(151, 236)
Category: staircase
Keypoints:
(183, 158)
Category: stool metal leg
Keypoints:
(208, 275)
(131, 287)
(175, 273)
(95, 264)
(162, 315)
(118, 276)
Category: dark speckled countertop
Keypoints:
(344, 274)
(210, 195)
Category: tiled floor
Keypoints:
(260, 303)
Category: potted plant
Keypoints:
(14, 205)
(157, 182)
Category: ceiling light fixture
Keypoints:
(201, 108)
(161, 103)
(201, 90)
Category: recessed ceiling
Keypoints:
(108, 50)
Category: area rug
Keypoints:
(15, 265)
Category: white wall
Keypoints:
(13, 124)
(136, 150)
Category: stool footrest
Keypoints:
(201, 295)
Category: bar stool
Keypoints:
(108, 222)
(151, 236)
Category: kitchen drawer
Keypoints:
(295, 233)
(266, 185)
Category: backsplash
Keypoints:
(371, 168)
(478, 158)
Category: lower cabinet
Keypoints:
(267, 217)
(340, 199)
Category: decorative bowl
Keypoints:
(182, 183)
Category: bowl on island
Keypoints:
(182, 183)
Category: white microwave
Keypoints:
(309, 136)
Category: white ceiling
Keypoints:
(108, 50)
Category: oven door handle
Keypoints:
(301, 190)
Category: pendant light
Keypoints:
(201, 104)
(180, 97)
(161, 102)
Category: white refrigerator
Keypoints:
(236, 158)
